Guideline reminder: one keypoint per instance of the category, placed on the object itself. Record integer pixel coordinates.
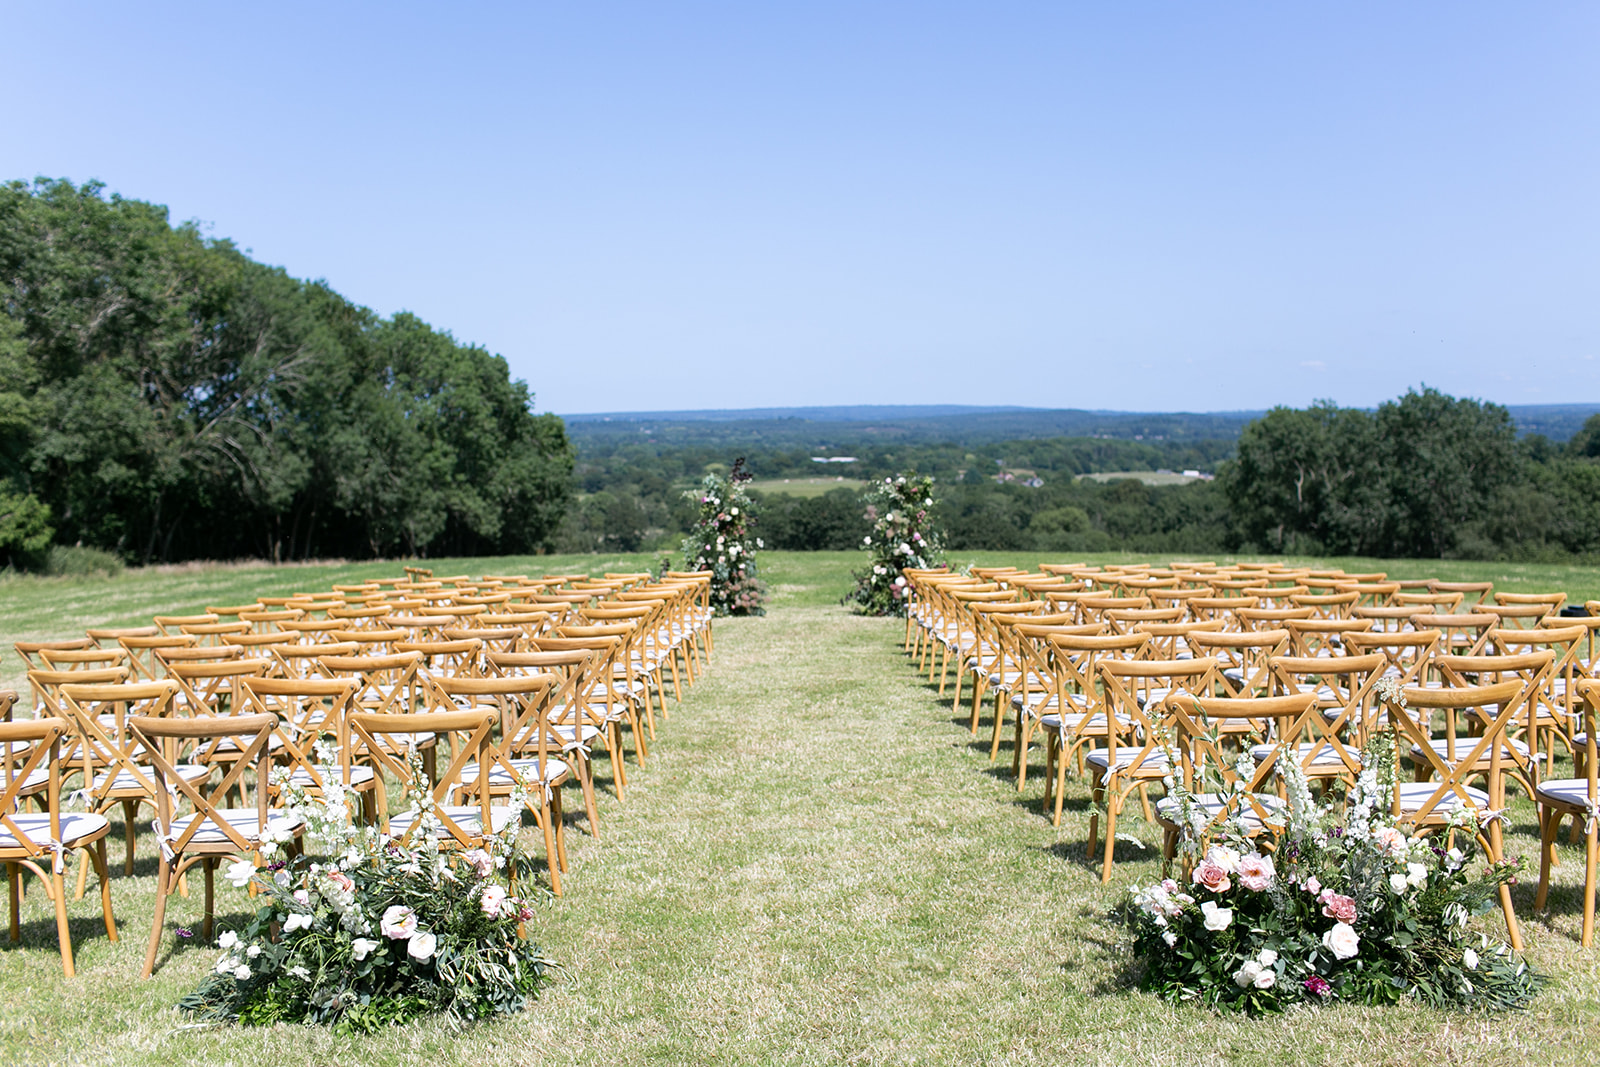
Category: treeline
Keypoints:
(1424, 476)
(165, 397)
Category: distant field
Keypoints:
(1147, 477)
(805, 486)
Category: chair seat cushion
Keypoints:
(75, 827)
(1464, 747)
(1571, 792)
(125, 780)
(245, 821)
(552, 770)
(469, 817)
(1153, 762)
(1325, 754)
(1414, 794)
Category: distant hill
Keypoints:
(843, 426)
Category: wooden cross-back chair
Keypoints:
(1472, 593)
(459, 657)
(1134, 755)
(1344, 689)
(82, 659)
(1579, 798)
(1271, 728)
(1327, 605)
(1224, 609)
(528, 751)
(1460, 634)
(29, 650)
(570, 715)
(311, 714)
(39, 841)
(1028, 679)
(1409, 652)
(115, 767)
(1074, 717)
(1322, 637)
(1524, 614)
(1429, 804)
(1242, 658)
(212, 831)
(1388, 618)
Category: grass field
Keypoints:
(815, 866)
(807, 487)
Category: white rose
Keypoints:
(362, 947)
(1170, 938)
(253, 951)
(1470, 959)
(1216, 918)
(1267, 957)
(1416, 875)
(421, 946)
(228, 939)
(239, 873)
(1246, 976)
(298, 920)
(1224, 857)
(1342, 941)
(1265, 978)
(1397, 883)
(241, 972)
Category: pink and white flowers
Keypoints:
(1342, 941)
(1256, 872)
(398, 923)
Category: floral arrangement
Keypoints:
(903, 535)
(1347, 907)
(380, 934)
(720, 542)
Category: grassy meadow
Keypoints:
(817, 865)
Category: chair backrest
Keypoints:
(1409, 652)
(1327, 605)
(388, 684)
(447, 658)
(1242, 657)
(29, 650)
(163, 738)
(385, 738)
(1471, 592)
(1276, 723)
(99, 715)
(308, 711)
(522, 702)
(211, 688)
(1413, 737)
(28, 747)
(1322, 637)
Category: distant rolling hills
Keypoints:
(839, 427)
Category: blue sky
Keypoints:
(1136, 206)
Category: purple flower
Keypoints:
(1318, 985)
(185, 933)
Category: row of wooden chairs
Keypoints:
(181, 715)
(1085, 658)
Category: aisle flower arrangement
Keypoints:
(1347, 907)
(901, 510)
(379, 933)
(721, 542)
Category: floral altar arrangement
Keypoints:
(1346, 907)
(903, 535)
(721, 543)
(381, 933)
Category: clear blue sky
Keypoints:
(1138, 206)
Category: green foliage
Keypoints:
(904, 534)
(79, 561)
(721, 542)
(166, 397)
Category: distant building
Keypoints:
(833, 459)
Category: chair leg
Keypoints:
(586, 781)
(1113, 802)
(58, 892)
(14, 877)
(101, 870)
(206, 865)
(1591, 847)
(551, 856)
(1097, 799)
(130, 814)
(1550, 825)
(561, 827)
(163, 877)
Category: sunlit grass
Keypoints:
(816, 866)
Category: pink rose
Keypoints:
(1256, 872)
(1339, 908)
(1208, 875)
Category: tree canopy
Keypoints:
(166, 397)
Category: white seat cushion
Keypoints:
(358, 775)
(1153, 762)
(1573, 792)
(467, 816)
(1326, 755)
(75, 826)
(1414, 794)
(528, 768)
(126, 780)
(1464, 748)
(243, 820)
